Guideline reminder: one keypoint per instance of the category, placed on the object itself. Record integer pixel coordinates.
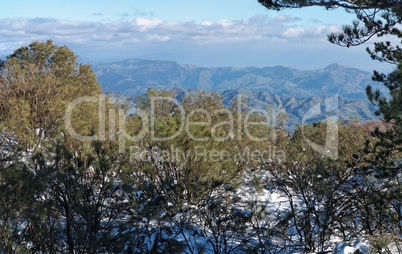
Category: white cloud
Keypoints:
(145, 24)
(147, 36)
(148, 30)
(294, 32)
(207, 23)
(225, 23)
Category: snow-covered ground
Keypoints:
(201, 238)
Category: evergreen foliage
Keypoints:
(184, 173)
(378, 181)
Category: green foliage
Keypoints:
(377, 183)
(179, 168)
(389, 147)
(37, 82)
(316, 187)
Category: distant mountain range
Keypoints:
(278, 87)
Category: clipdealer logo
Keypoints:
(328, 108)
(243, 124)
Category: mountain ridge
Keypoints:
(143, 74)
(285, 88)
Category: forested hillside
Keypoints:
(83, 172)
(135, 76)
(278, 88)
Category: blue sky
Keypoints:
(207, 33)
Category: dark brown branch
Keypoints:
(330, 4)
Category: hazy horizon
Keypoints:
(207, 33)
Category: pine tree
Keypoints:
(379, 184)
(37, 82)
